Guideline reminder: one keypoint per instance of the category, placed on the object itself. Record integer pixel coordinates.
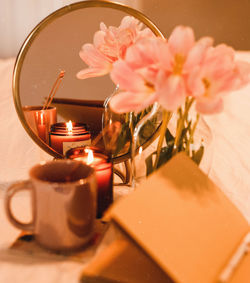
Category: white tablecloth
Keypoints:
(231, 147)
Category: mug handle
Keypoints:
(11, 191)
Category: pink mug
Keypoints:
(63, 204)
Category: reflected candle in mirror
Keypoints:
(64, 136)
(41, 126)
(101, 162)
(40, 120)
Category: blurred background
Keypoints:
(227, 21)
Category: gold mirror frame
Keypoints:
(35, 32)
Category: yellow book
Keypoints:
(180, 224)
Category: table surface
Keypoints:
(230, 170)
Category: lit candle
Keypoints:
(40, 120)
(99, 160)
(41, 126)
(64, 136)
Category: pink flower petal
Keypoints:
(99, 38)
(128, 22)
(181, 40)
(243, 72)
(98, 63)
(218, 61)
(149, 74)
(91, 73)
(142, 54)
(194, 82)
(92, 57)
(217, 72)
(197, 53)
(224, 82)
(165, 57)
(206, 105)
(127, 78)
(171, 92)
(146, 33)
(109, 45)
(103, 27)
(130, 101)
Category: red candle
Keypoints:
(64, 138)
(41, 126)
(72, 126)
(40, 120)
(104, 173)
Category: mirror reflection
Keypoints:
(50, 93)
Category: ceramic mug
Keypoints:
(63, 204)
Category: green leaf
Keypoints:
(197, 155)
(183, 137)
(123, 138)
(149, 163)
(165, 155)
(147, 130)
(169, 137)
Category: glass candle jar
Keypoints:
(40, 120)
(64, 136)
(101, 162)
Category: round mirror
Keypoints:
(47, 64)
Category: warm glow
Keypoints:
(90, 158)
(42, 118)
(69, 126)
(140, 150)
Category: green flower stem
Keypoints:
(191, 137)
(179, 127)
(181, 123)
(127, 115)
(166, 117)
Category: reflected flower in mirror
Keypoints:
(109, 45)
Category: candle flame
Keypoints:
(90, 158)
(140, 150)
(69, 127)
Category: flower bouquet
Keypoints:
(184, 76)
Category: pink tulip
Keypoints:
(163, 66)
(129, 101)
(99, 64)
(217, 75)
(149, 69)
(171, 91)
(179, 55)
(110, 44)
(146, 52)
(137, 76)
(138, 94)
(127, 78)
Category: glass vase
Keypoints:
(126, 134)
(202, 140)
(201, 146)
